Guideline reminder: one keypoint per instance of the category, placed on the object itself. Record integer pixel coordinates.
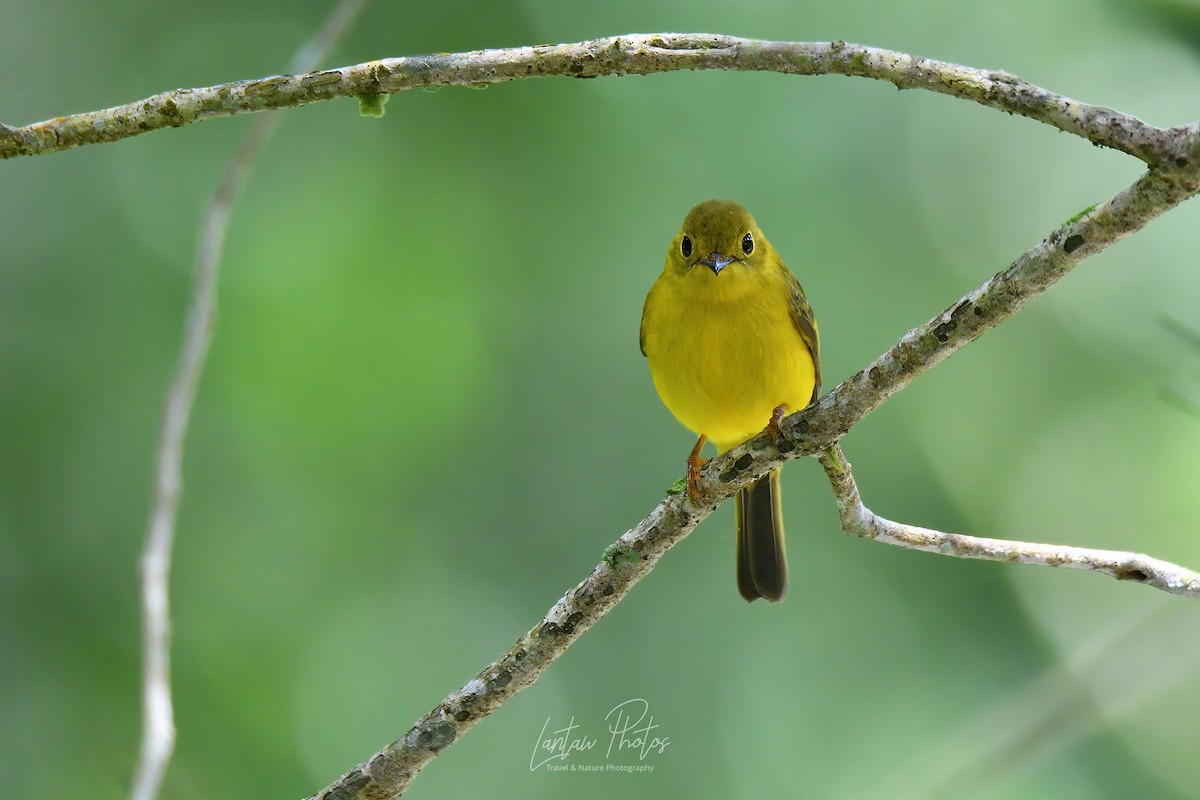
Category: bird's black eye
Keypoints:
(747, 244)
(685, 246)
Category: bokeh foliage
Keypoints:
(425, 415)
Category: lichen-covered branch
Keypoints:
(861, 521)
(634, 54)
(1172, 155)
(813, 431)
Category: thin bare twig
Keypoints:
(634, 54)
(861, 521)
(158, 726)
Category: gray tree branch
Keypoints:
(1173, 158)
(1174, 176)
(634, 54)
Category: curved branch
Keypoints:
(1172, 154)
(861, 521)
(158, 717)
(635, 54)
(812, 431)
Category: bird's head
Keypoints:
(719, 238)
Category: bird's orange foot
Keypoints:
(695, 484)
(776, 420)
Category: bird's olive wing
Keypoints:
(806, 326)
(642, 328)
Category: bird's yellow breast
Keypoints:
(724, 350)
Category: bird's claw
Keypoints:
(695, 484)
(773, 427)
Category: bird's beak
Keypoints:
(716, 262)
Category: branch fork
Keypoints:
(1172, 156)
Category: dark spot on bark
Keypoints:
(501, 679)
(978, 311)
(1135, 575)
(639, 545)
(875, 376)
(325, 78)
(944, 330)
(576, 69)
(568, 628)
(737, 468)
(1181, 162)
(437, 736)
(547, 629)
(786, 446)
(1073, 243)
(171, 112)
(348, 788)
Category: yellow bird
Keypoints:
(732, 346)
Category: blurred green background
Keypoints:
(425, 415)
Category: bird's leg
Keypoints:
(694, 464)
(776, 420)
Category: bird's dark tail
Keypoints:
(761, 559)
